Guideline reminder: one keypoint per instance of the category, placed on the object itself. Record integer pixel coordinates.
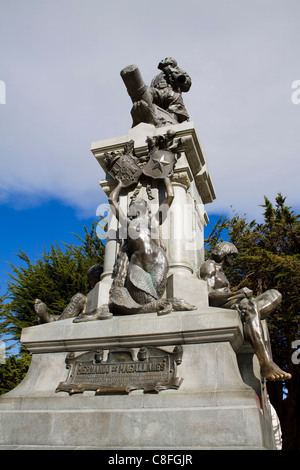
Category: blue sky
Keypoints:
(60, 61)
(33, 230)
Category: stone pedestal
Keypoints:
(219, 405)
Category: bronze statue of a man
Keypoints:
(252, 309)
(161, 103)
(167, 88)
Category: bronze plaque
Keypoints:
(153, 370)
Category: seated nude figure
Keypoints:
(252, 309)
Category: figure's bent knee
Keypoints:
(272, 298)
(268, 302)
(275, 296)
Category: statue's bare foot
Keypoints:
(272, 372)
(175, 304)
(101, 313)
(163, 307)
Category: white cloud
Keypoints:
(61, 64)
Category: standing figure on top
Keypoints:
(161, 103)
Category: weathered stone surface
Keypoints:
(221, 402)
(213, 408)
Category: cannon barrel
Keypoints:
(135, 84)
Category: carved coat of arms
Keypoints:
(123, 168)
(161, 164)
(162, 156)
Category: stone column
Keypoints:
(180, 226)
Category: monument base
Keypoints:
(219, 401)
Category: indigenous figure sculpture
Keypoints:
(251, 309)
(161, 103)
(142, 266)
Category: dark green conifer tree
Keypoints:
(54, 279)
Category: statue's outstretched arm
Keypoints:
(161, 214)
(113, 201)
(170, 191)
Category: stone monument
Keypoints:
(147, 360)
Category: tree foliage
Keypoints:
(13, 371)
(270, 258)
(54, 278)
